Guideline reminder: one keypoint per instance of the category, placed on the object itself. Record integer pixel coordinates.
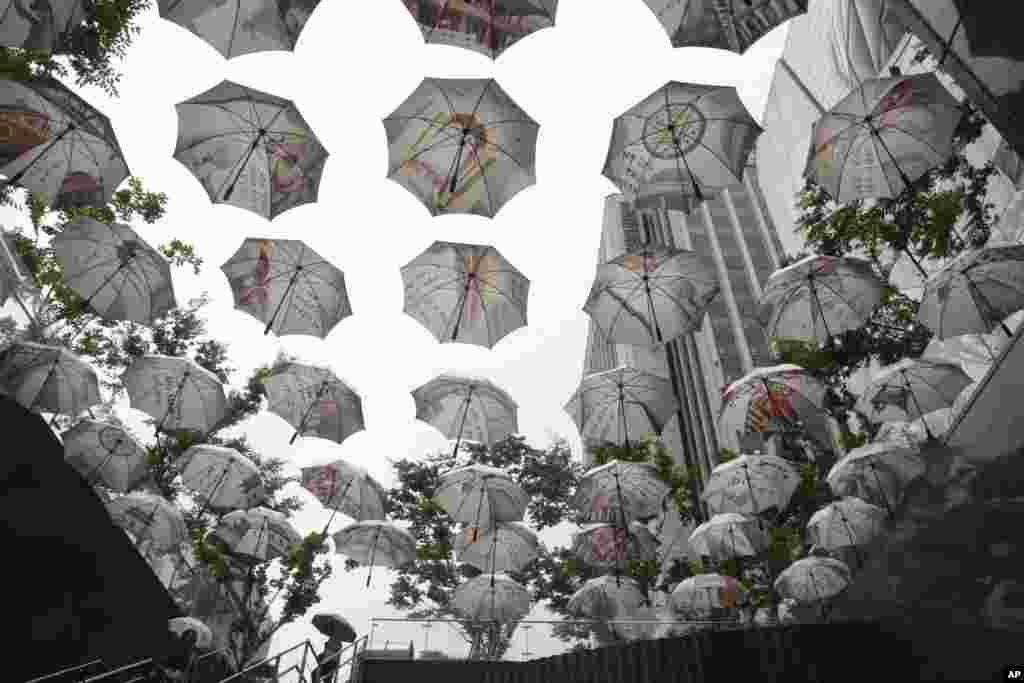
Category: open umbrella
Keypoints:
(613, 405)
(257, 535)
(151, 518)
(732, 25)
(466, 293)
(651, 295)
(882, 137)
(751, 484)
(507, 547)
(175, 392)
(606, 595)
(877, 471)
(59, 146)
(703, 593)
(912, 388)
(481, 496)
(620, 492)
(204, 636)
(489, 26)
(849, 522)
(114, 271)
(491, 597)
(14, 273)
(105, 453)
(345, 488)
(334, 626)
(287, 286)
(242, 27)
(728, 535)
(684, 138)
(813, 579)
(609, 545)
(249, 149)
(772, 399)
(42, 26)
(974, 292)
(376, 543)
(48, 378)
(314, 401)
(465, 407)
(221, 478)
(461, 146)
(818, 298)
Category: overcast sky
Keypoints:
(356, 62)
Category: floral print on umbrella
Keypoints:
(770, 403)
(255, 289)
(321, 482)
(608, 544)
(640, 263)
(482, 281)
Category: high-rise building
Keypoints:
(734, 232)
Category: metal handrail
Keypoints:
(276, 658)
(116, 672)
(69, 670)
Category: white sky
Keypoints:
(354, 64)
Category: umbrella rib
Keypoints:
(490, 198)
(428, 148)
(436, 83)
(926, 143)
(846, 159)
(209, 138)
(625, 307)
(881, 165)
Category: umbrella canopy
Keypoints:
(345, 488)
(877, 471)
(334, 626)
(114, 271)
(14, 273)
(42, 27)
(60, 148)
(48, 378)
(461, 146)
(314, 401)
(813, 579)
(974, 292)
(911, 388)
(287, 286)
(882, 137)
(465, 407)
(244, 27)
(481, 496)
(620, 489)
(849, 522)
(106, 454)
(773, 399)
(491, 597)
(257, 535)
(935, 423)
(615, 405)
(467, 293)
(204, 636)
(606, 596)
(221, 478)
(609, 545)
(249, 149)
(975, 352)
(489, 27)
(508, 547)
(651, 295)
(728, 535)
(732, 25)
(149, 518)
(176, 392)
(706, 592)
(751, 484)
(684, 139)
(376, 543)
(818, 298)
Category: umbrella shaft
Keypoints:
(277, 309)
(16, 178)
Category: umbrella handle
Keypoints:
(287, 290)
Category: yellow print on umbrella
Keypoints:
(477, 156)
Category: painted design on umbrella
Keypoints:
(314, 401)
(250, 149)
(465, 293)
(488, 27)
(773, 399)
(507, 547)
(619, 492)
(48, 378)
(704, 593)
(722, 24)
(244, 27)
(465, 407)
(176, 392)
(345, 488)
(106, 454)
(610, 545)
(42, 25)
(461, 146)
(57, 145)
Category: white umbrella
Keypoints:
(609, 545)
(48, 378)
(175, 392)
(114, 271)
(877, 471)
(222, 478)
(728, 535)
(376, 543)
(732, 25)
(480, 496)
(751, 484)
(151, 518)
(508, 547)
(818, 298)
(314, 401)
(491, 597)
(617, 404)
(706, 592)
(465, 407)
(606, 596)
(813, 579)
(257, 535)
(345, 488)
(911, 388)
(620, 492)
(105, 453)
(935, 423)
(849, 522)
(204, 636)
(242, 28)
